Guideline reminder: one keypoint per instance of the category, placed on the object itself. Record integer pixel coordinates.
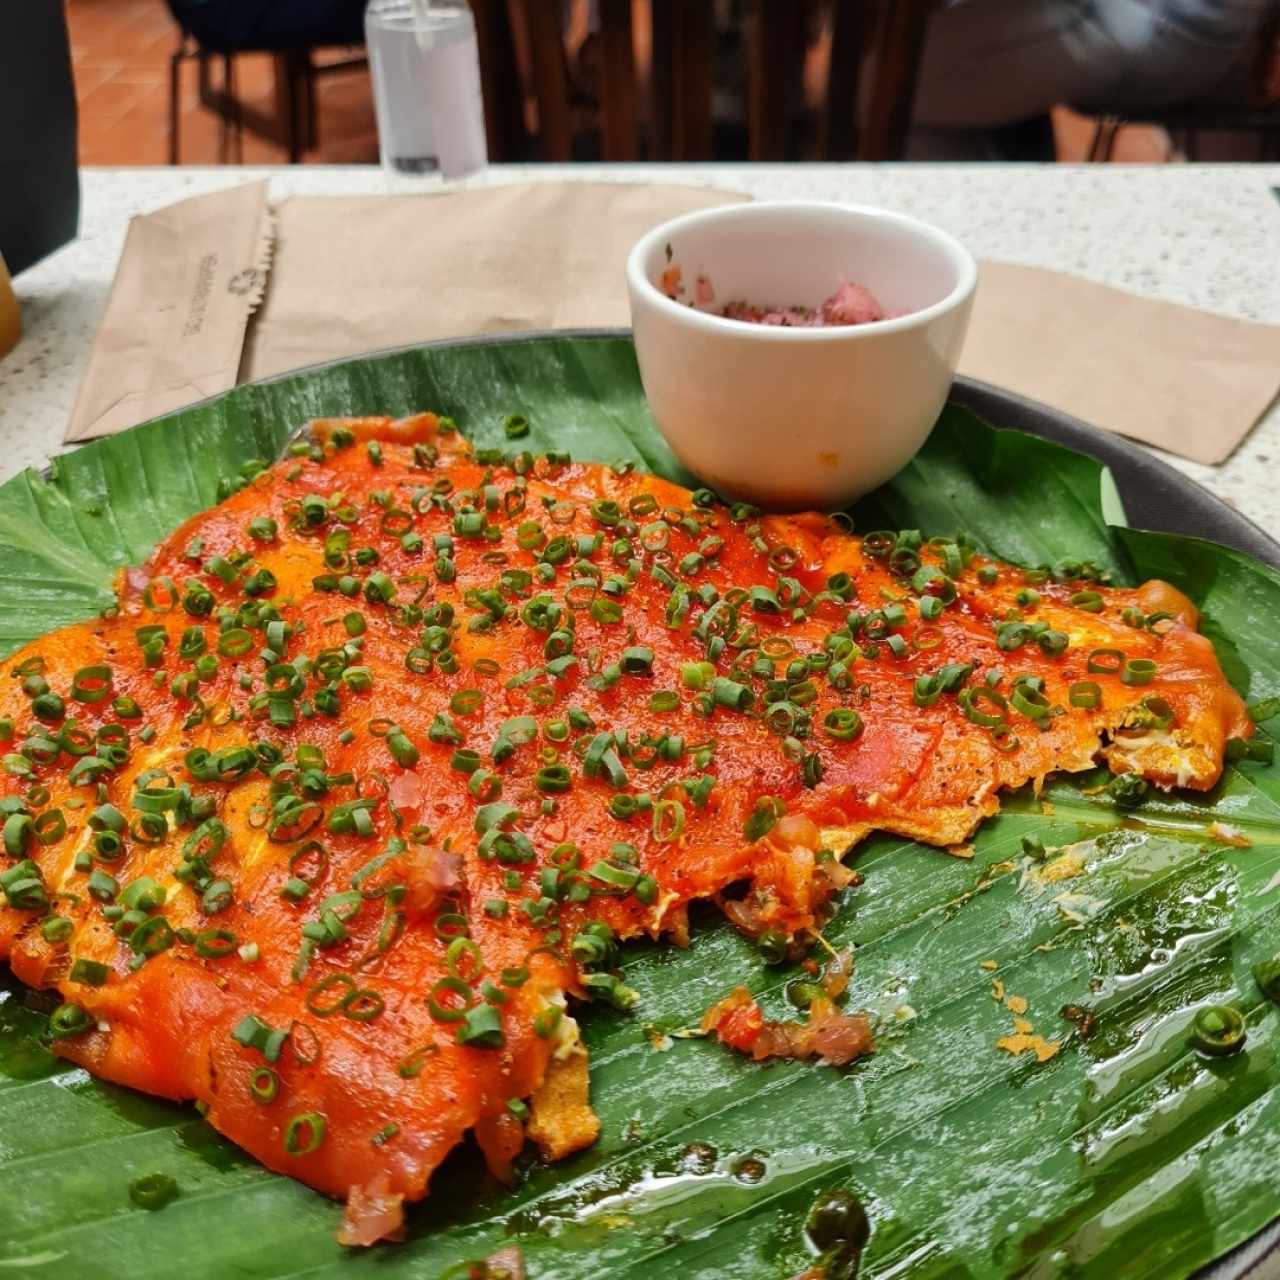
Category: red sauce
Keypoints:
(742, 761)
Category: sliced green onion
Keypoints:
(57, 929)
(213, 944)
(1257, 750)
(450, 987)
(264, 1085)
(253, 1033)
(1086, 694)
(481, 1028)
(546, 1021)
(305, 1133)
(91, 973)
(973, 698)
(697, 675)
(1266, 973)
(91, 684)
(668, 821)
(1106, 662)
(69, 1020)
(1030, 702)
(153, 1191)
(729, 693)
(363, 1005)
(616, 877)
(926, 690)
(764, 817)
(637, 660)
(1218, 1030)
(843, 724)
(327, 996)
(1138, 671)
(403, 751)
(553, 779)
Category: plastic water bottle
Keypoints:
(425, 66)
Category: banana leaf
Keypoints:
(1124, 1154)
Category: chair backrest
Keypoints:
(523, 40)
(898, 40)
(499, 81)
(1264, 87)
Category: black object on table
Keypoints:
(39, 177)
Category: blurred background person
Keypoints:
(992, 69)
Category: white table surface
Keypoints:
(1204, 235)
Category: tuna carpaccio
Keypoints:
(376, 761)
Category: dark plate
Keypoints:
(1155, 495)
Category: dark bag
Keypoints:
(39, 178)
(234, 25)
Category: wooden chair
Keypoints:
(294, 124)
(899, 50)
(681, 42)
(853, 23)
(681, 79)
(890, 31)
(499, 81)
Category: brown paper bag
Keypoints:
(189, 278)
(1176, 377)
(355, 273)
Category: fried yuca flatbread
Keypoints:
(378, 759)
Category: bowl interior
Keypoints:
(798, 256)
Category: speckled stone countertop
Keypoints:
(1203, 235)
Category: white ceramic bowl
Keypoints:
(796, 417)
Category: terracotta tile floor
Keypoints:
(121, 51)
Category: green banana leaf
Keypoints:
(1124, 1155)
